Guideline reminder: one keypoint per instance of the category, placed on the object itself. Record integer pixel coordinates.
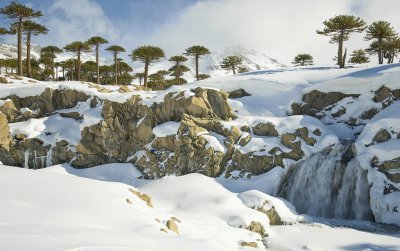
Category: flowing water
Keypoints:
(329, 184)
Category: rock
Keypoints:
(265, 129)
(72, 115)
(367, 115)
(251, 163)
(146, 198)
(244, 140)
(128, 201)
(239, 93)
(382, 136)
(124, 89)
(164, 230)
(175, 219)
(245, 128)
(390, 164)
(317, 132)
(288, 138)
(296, 153)
(303, 134)
(236, 133)
(382, 94)
(257, 227)
(4, 80)
(20, 136)
(5, 138)
(8, 108)
(172, 226)
(273, 216)
(248, 244)
(396, 93)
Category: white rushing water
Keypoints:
(329, 184)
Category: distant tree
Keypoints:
(359, 57)
(243, 69)
(4, 31)
(140, 76)
(96, 42)
(147, 54)
(157, 80)
(29, 28)
(339, 29)
(379, 31)
(52, 51)
(204, 76)
(124, 68)
(178, 60)
(115, 49)
(18, 13)
(106, 72)
(391, 48)
(197, 51)
(231, 63)
(88, 69)
(77, 48)
(303, 59)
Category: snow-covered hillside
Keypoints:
(249, 143)
(210, 64)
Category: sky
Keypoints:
(279, 28)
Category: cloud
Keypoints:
(77, 20)
(280, 28)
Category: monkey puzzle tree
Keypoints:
(115, 49)
(77, 48)
(379, 31)
(140, 76)
(96, 42)
(303, 59)
(147, 54)
(18, 13)
(359, 57)
(231, 63)
(197, 51)
(177, 69)
(30, 28)
(52, 50)
(339, 29)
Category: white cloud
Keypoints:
(77, 20)
(280, 28)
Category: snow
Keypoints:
(60, 208)
(215, 141)
(166, 129)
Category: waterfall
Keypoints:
(329, 184)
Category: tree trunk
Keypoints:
(197, 67)
(97, 64)
(28, 55)
(78, 73)
(233, 69)
(140, 81)
(146, 71)
(380, 53)
(340, 49)
(344, 58)
(116, 68)
(177, 74)
(63, 71)
(19, 31)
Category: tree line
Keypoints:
(385, 41)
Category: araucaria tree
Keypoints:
(147, 54)
(52, 51)
(77, 48)
(231, 63)
(379, 31)
(96, 42)
(339, 29)
(359, 57)
(178, 69)
(303, 59)
(18, 13)
(115, 49)
(31, 28)
(197, 51)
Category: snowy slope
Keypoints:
(210, 64)
(52, 209)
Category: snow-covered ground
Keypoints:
(61, 208)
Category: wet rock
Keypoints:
(317, 132)
(303, 134)
(72, 115)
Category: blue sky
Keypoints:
(279, 28)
